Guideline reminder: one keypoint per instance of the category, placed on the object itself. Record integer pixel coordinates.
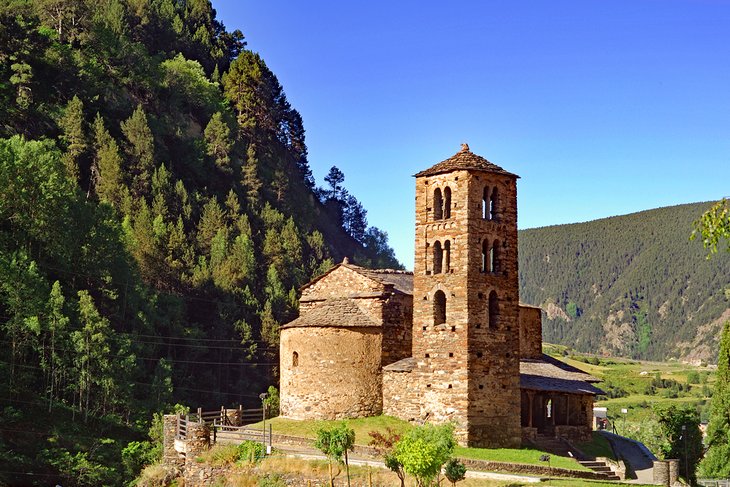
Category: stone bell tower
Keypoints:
(466, 299)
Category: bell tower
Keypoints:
(466, 299)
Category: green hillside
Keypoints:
(632, 285)
(157, 216)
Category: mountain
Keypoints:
(157, 217)
(632, 285)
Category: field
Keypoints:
(639, 386)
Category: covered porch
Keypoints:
(556, 400)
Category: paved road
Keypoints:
(639, 461)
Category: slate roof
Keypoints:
(551, 375)
(334, 313)
(403, 365)
(464, 160)
(401, 280)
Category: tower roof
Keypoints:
(464, 160)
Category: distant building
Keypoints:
(448, 342)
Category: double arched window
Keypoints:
(438, 204)
(438, 257)
(490, 202)
(441, 257)
(439, 308)
(441, 203)
(491, 261)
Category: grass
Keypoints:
(597, 447)
(361, 426)
(514, 455)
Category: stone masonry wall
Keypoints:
(494, 348)
(469, 368)
(401, 395)
(397, 312)
(338, 373)
(530, 332)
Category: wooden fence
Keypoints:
(220, 421)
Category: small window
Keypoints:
(485, 203)
(447, 256)
(494, 264)
(449, 386)
(438, 258)
(438, 205)
(451, 354)
(439, 308)
(485, 256)
(493, 204)
(294, 359)
(447, 202)
(493, 310)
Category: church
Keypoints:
(449, 342)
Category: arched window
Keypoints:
(493, 310)
(447, 255)
(493, 205)
(438, 205)
(494, 257)
(485, 203)
(485, 256)
(294, 359)
(447, 202)
(438, 256)
(439, 308)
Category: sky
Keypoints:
(602, 107)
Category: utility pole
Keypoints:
(263, 397)
(686, 458)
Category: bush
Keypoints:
(455, 471)
(271, 403)
(693, 377)
(250, 452)
(138, 454)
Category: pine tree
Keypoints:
(218, 141)
(74, 135)
(251, 180)
(57, 329)
(107, 169)
(140, 150)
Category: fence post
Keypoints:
(269, 437)
(200, 415)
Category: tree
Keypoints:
(424, 450)
(140, 150)
(106, 172)
(682, 438)
(335, 442)
(713, 226)
(74, 135)
(218, 141)
(384, 444)
(335, 178)
(715, 463)
(455, 471)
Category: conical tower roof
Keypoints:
(464, 160)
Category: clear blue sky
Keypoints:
(602, 107)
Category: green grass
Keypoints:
(581, 483)
(361, 426)
(597, 447)
(514, 455)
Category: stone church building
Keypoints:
(448, 342)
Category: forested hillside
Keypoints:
(157, 216)
(632, 285)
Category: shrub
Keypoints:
(271, 403)
(250, 452)
(693, 377)
(455, 471)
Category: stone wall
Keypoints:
(170, 455)
(530, 332)
(337, 376)
(401, 395)
(397, 316)
(469, 366)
